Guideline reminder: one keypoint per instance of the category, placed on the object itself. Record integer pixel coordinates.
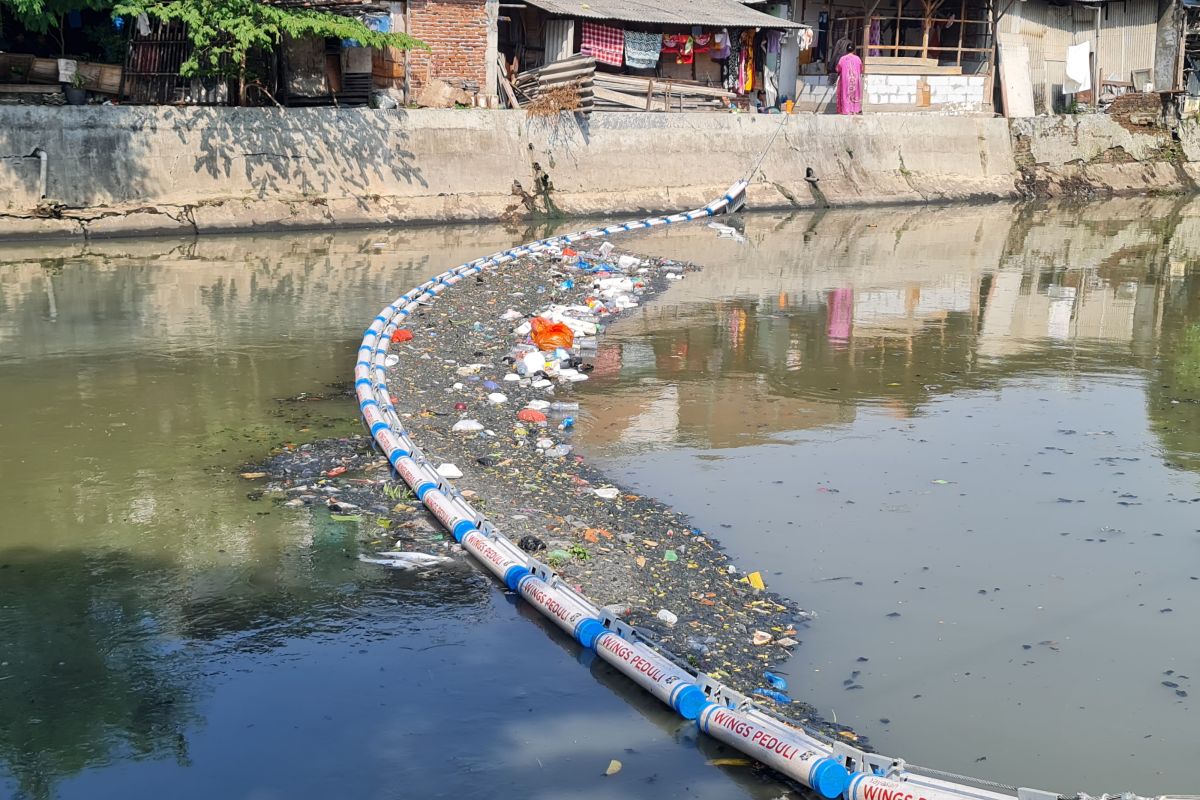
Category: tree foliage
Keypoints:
(223, 32)
(44, 16)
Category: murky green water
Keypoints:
(970, 440)
(163, 635)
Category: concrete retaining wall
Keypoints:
(141, 169)
(1098, 155)
(213, 169)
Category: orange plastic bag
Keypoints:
(548, 335)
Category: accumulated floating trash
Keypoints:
(830, 768)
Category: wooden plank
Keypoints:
(900, 61)
(509, 94)
(1016, 81)
(622, 99)
(949, 69)
(28, 88)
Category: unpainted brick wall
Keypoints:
(456, 32)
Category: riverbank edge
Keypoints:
(183, 172)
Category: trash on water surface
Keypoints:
(614, 767)
(778, 697)
(548, 335)
(467, 426)
(607, 492)
(667, 617)
(776, 681)
(402, 335)
(761, 638)
(449, 471)
(404, 560)
(755, 579)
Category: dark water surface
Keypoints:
(163, 635)
(969, 440)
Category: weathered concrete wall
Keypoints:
(220, 169)
(163, 170)
(1127, 151)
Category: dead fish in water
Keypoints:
(405, 560)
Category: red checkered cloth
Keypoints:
(604, 42)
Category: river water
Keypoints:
(164, 635)
(983, 420)
(969, 440)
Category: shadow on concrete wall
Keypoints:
(299, 151)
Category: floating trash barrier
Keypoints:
(831, 767)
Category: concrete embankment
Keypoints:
(117, 171)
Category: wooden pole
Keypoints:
(990, 83)
(899, 13)
(962, 29)
(928, 13)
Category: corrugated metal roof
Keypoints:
(726, 13)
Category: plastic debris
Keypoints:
(549, 334)
(497, 398)
(405, 560)
(467, 426)
(607, 492)
(530, 415)
(402, 335)
(778, 697)
(449, 471)
(614, 767)
(755, 579)
(531, 544)
(776, 681)
(761, 638)
(667, 617)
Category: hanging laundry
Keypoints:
(702, 43)
(773, 38)
(874, 51)
(1079, 68)
(747, 66)
(720, 46)
(673, 42)
(686, 52)
(642, 49)
(603, 42)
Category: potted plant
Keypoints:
(76, 92)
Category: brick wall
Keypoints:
(456, 32)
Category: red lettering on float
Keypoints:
(482, 548)
(557, 609)
(874, 791)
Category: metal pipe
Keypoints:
(43, 157)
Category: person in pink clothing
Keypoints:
(849, 82)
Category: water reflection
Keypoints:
(164, 635)
(892, 309)
(967, 438)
